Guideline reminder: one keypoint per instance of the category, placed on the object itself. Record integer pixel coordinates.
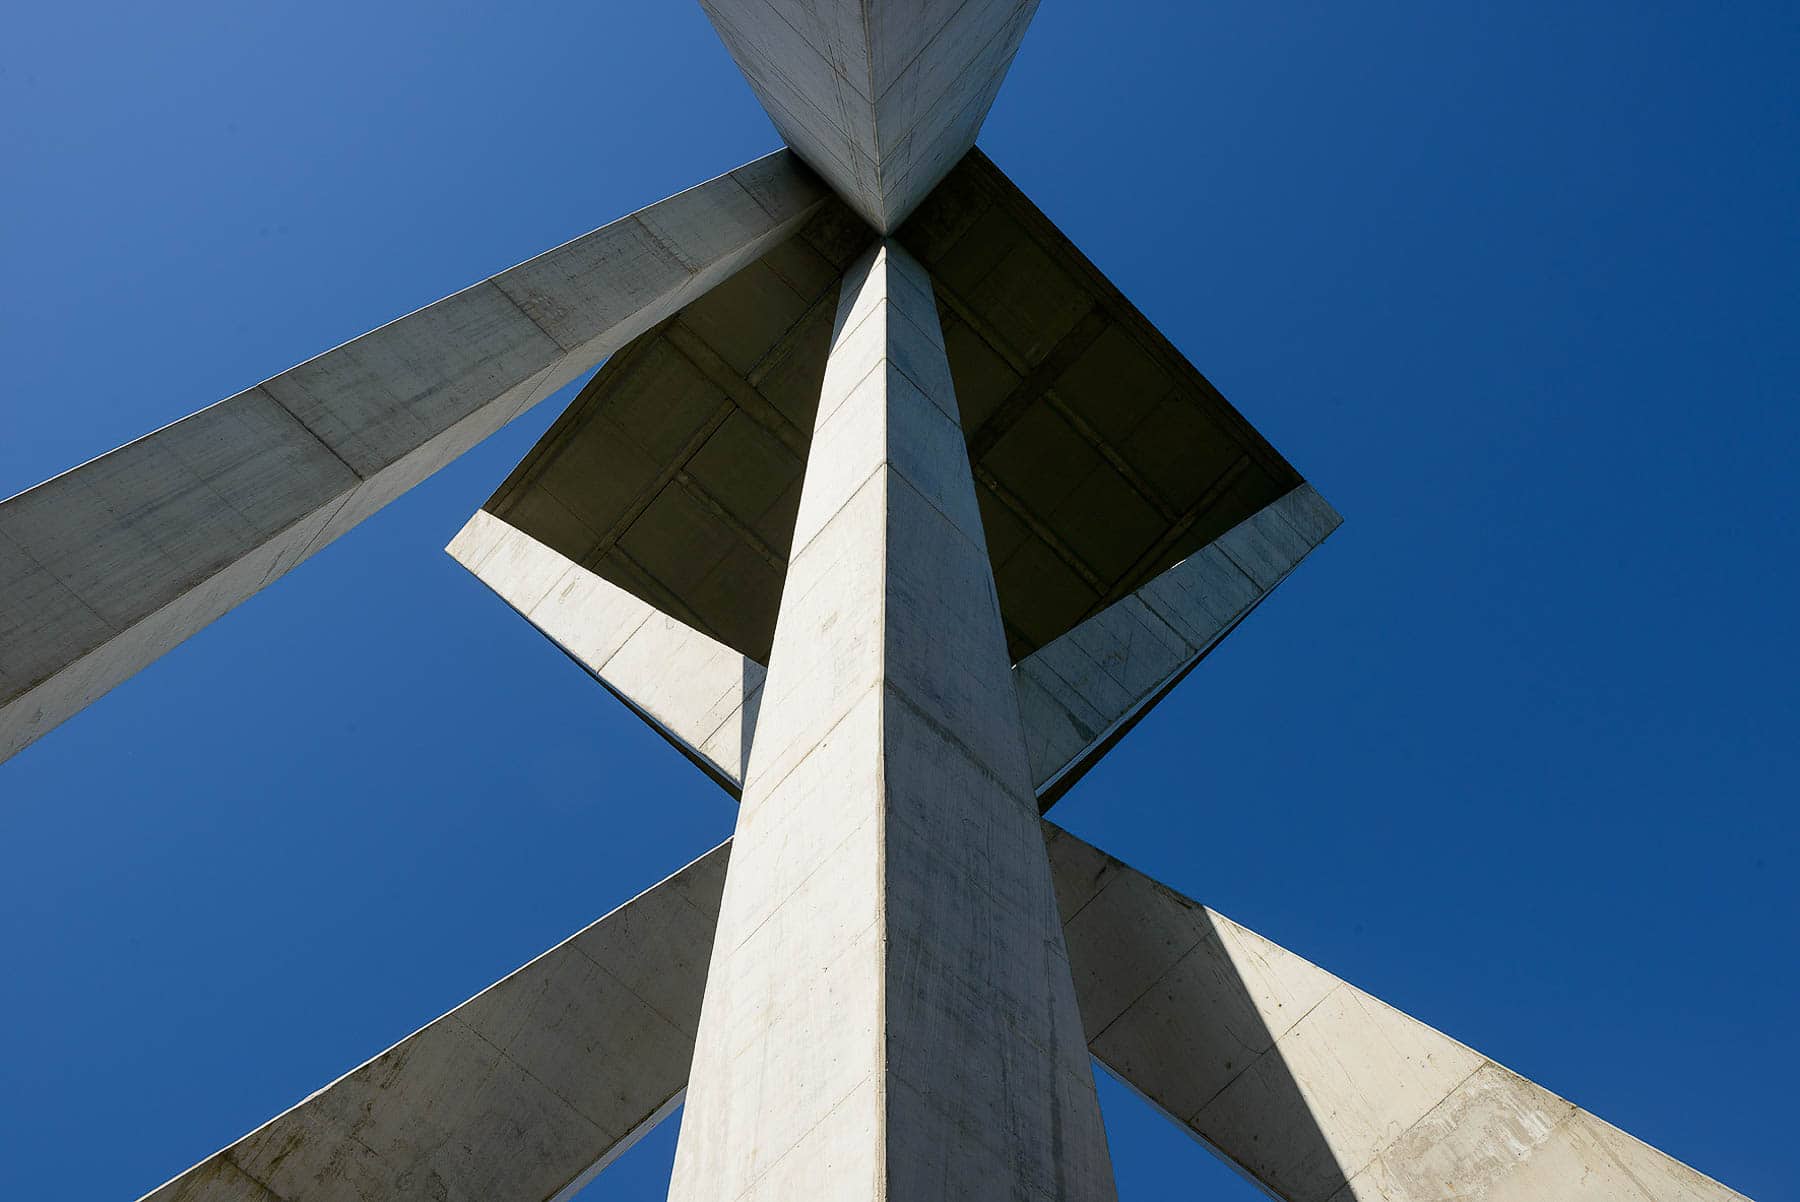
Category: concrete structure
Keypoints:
(879, 99)
(1078, 695)
(109, 565)
(888, 1010)
(893, 436)
(530, 1089)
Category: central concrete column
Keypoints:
(889, 1012)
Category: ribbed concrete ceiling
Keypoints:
(1100, 455)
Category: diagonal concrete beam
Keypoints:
(1312, 1088)
(523, 1093)
(109, 565)
(881, 97)
(1078, 696)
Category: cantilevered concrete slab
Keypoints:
(880, 99)
(1101, 456)
(888, 1012)
(1078, 696)
(109, 565)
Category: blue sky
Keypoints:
(1515, 285)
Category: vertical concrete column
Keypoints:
(889, 1012)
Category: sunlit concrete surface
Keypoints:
(1312, 1087)
(880, 99)
(1315, 1090)
(109, 565)
(888, 1010)
(521, 1094)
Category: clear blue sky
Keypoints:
(1516, 285)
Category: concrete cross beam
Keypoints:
(109, 565)
(888, 1010)
(880, 98)
(1078, 695)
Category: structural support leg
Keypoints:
(889, 1012)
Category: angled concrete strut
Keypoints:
(109, 565)
(521, 1094)
(888, 1009)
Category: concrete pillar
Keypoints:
(889, 1011)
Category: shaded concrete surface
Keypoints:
(675, 474)
(1101, 456)
(1313, 1089)
(1077, 697)
(881, 98)
(109, 565)
(888, 1010)
(521, 1094)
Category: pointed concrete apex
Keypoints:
(881, 97)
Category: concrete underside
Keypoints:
(111, 564)
(1101, 456)
(1310, 1086)
(880, 99)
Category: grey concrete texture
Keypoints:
(521, 1094)
(880, 97)
(888, 1010)
(111, 564)
(1312, 1088)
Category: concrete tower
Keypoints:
(887, 510)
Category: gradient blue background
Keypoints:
(1516, 285)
